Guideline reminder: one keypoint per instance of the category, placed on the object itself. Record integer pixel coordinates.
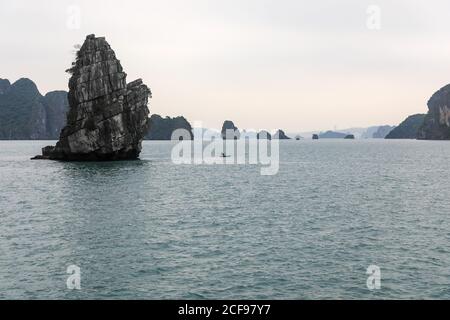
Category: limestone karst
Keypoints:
(107, 117)
(230, 131)
(436, 125)
(162, 128)
(28, 115)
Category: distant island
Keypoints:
(27, 115)
(408, 129)
(281, 135)
(332, 135)
(162, 128)
(230, 131)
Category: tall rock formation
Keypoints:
(436, 125)
(230, 131)
(162, 128)
(107, 117)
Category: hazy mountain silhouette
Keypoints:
(27, 115)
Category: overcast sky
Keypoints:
(291, 64)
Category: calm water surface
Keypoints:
(154, 230)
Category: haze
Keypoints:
(295, 65)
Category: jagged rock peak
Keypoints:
(107, 118)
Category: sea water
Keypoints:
(151, 229)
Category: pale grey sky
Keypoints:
(291, 64)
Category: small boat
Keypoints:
(223, 155)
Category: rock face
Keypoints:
(27, 115)
(382, 132)
(230, 131)
(107, 117)
(436, 125)
(57, 107)
(280, 135)
(408, 129)
(162, 128)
